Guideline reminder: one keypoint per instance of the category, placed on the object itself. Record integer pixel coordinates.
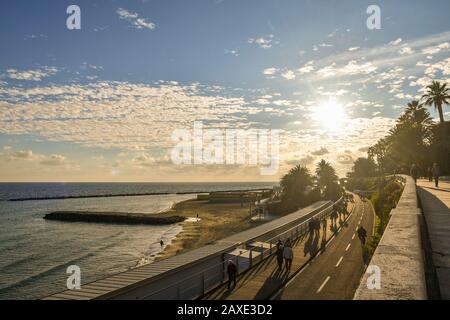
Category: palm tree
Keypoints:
(294, 185)
(411, 136)
(437, 94)
(326, 175)
(416, 113)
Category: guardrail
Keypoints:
(210, 278)
(396, 271)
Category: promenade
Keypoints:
(265, 280)
(436, 210)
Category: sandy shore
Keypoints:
(216, 221)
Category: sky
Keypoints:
(102, 103)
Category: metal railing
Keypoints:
(210, 278)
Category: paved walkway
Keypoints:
(264, 280)
(436, 210)
(336, 273)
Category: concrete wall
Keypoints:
(399, 254)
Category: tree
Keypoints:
(380, 153)
(327, 179)
(364, 167)
(437, 94)
(294, 186)
(410, 139)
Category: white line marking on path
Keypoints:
(348, 247)
(323, 284)
(339, 262)
(353, 237)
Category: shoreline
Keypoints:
(216, 221)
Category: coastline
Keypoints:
(216, 221)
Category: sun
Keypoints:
(330, 115)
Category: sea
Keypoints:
(35, 253)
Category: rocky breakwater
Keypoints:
(113, 217)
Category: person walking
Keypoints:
(414, 172)
(324, 226)
(436, 173)
(232, 271)
(311, 226)
(430, 174)
(279, 254)
(362, 234)
(161, 243)
(288, 256)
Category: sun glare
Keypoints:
(330, 115)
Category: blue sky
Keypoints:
(100, 103)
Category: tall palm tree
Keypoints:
(416, 113)
(437, 94)
(294, 185)
(326, 175)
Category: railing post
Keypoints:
(262, 251)
(251, 257)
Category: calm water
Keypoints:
(35, 253)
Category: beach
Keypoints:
(216, 221)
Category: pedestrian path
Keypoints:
(436, 209)
(265, 279)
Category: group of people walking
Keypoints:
(284, 254)
(433, 173)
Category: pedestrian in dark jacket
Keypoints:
(436, 174)
(414, 172)
(279, 254)
(232, 271)
(430, 174)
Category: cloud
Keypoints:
(117, 114)
(304, 161)
(270, 72)
(435, 49)
(135, 20)
(31, 75)
(53, 160)
(288, 74)
(322, 151)
(30, 156)
(396, 42)
(307, 68)
(23, 154)
(232, 52)
(265, 42)
(353, 67)
(405, 50)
